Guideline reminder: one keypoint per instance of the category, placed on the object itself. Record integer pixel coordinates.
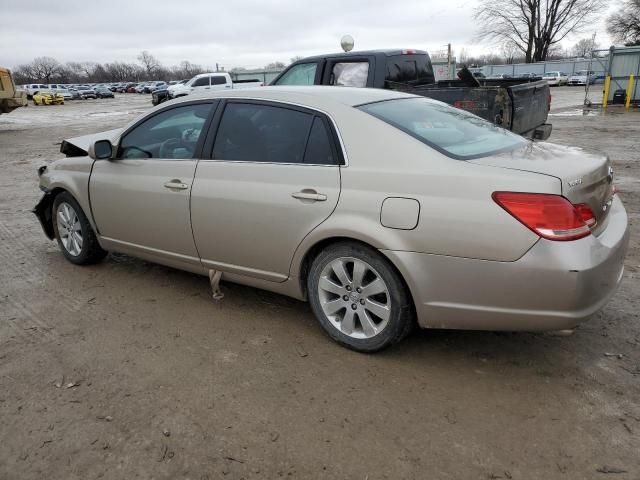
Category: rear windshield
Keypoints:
(454, 132)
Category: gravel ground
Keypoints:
(128, 370)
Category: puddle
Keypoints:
(578, 112)
(113, 114)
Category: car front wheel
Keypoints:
(74, 233)
(359, 298)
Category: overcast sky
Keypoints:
(248, 33)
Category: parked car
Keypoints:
(153, 86)
(86, 92)
(140, 87)
(379, 207)
(32, 88)
(160, 95)
(555, 78)
(581, 77)
(75, 94)
(61, 89)
(514, 104)
(211, 82)
(47, 98)
(103, 92)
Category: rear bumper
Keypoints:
(554, 286)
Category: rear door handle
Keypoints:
(309, 195)
(176, 185)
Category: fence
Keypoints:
(263, 75)
(566, 66)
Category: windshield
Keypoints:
(454, 132)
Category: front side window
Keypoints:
(172, 134)
(454, 132)
(301, 74)
(201, 82)
(262, 133)
(350, 74)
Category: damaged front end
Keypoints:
(43, 210)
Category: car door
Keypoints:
(272, 177)
(140, 199)
(201, 84)
(308, 73)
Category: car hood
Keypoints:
(79, 146)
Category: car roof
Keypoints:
(313, 96)
(360, 53)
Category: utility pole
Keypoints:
(587, 102)
(449, 61)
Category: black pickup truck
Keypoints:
(520, 105)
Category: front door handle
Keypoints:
(308, 194)
(176, 184)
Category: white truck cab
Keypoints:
(210, 81)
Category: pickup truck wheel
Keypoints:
(359, 298)
(73, 232)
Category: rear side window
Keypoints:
(350, 74)
(262, 133)
(453, 132)
(319, 150)
(218, 80)
(301, 74)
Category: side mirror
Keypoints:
(101, 150)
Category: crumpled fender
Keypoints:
(79, 146)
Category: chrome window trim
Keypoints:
(284, 102)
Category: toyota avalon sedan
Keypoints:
(382, 209)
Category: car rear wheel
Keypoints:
(74, 233)
(359, 298)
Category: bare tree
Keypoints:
(534, 26)
(43, 68)
(149, 63)
(583, 48)
(624, 26)
(275, 66)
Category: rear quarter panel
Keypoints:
(457, 214)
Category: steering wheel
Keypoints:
(168, 146)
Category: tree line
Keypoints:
(49, 70)
(532, 30)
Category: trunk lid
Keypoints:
(585, 177)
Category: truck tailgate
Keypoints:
(530, 105)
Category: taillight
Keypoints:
(586, 214)
(551, 216)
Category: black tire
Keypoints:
(91, 252)
(402, 313)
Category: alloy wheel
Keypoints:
(69, 229)
(354, 297)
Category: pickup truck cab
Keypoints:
(519, 105)
(206, 82)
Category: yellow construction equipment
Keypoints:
(10, 97)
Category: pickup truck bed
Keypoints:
(519, 105)
(512, 104)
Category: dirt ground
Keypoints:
(129, 370)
